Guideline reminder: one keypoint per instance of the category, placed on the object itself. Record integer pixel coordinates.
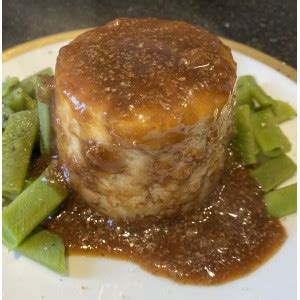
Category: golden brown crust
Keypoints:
(142, 75)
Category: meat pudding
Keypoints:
(143, 115)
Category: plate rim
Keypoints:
(271, 61)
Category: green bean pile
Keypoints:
(258, 140)
(261, 144)
(26, 124)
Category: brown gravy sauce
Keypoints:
(227, 237)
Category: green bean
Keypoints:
(273, 172)
(11, 197)
(8, 84)
(44, 94)
(257, 92)
(283, 111)
(46, 248)
(44, 88)
(30, 103)
(268, 135)
(30, 208)
(282, 202)
(6, 113)
(17, 144)
(45, 129)
(29, 84)
(243, 94)
(15, 100)
(244, 139)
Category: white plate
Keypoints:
(107, 279)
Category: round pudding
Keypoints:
(143, 115)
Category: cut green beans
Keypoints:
(273, 172)
(44, 88)
(44, 95)
(46, 248)
(257, 92)
(17, 144)
(15, 100)
(30, 103)
(6, 113)
(243, 94)
(45, 128)
(244, 139)
(30, 208)
(268, 135)
(29, 84)
(11, 197)
(8, 84)
(283, 111)
(282, 202)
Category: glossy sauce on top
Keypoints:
(146, 71)
(227, 237)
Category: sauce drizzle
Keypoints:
(227, 237)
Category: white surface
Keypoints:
(103, 279)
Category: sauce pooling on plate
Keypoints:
(226, 237)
